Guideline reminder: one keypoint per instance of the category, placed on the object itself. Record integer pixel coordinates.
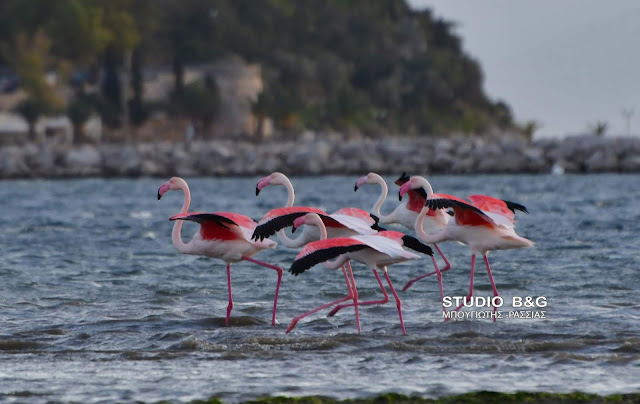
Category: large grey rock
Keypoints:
(83, 161)
(121, 160)
(12, 163)
(603, 160)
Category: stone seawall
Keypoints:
(316, 155)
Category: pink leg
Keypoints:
(279, 270)
(354, 293)
(294, 322)
(350, 289)
(468, 298)
(230, 305)
(439, 274)
(382, 301)
(493, 285)
(398, 302)
(446, 268)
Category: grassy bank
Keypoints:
(468, 398)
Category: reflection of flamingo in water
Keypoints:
(222, 235)
(376, 251)
(406, 215)
(485, 224)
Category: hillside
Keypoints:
(376, 67)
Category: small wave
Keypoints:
(141, 214)
(18, 345)
(195, 344)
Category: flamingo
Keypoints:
(277, 219)
(484, 224)
(222, 235)
(406, 215)
(376, 251)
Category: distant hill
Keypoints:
(371, 65)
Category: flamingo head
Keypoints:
(371, 178)
(275, 178)
(418, 184)
(310, 219)
(173, 184)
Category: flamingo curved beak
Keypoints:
(404, 189)
(361, 181)
(163, 189)
(262, 183)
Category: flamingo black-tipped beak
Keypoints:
(403, 190)
(257, 190)
(361, 181)
(293, 229)
(163, 189)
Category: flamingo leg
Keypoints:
(354, 291)
(439, 274)
(493, 285)
(398, 302)
(468, 298)
(275, 300)
(382, 301)
(416, 279)
(230, 305)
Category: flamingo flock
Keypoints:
(334, 240)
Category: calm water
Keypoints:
(96, 304)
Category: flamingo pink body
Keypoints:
(222, 235)
(485, 224)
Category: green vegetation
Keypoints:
(480, 397)
(372, 67)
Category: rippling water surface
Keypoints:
(97, 305)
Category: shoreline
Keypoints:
(313, 155)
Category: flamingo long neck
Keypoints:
(291, 242)
(336, 263)
(383, 196)
(424, 236)
(291, 195)
(176, 236)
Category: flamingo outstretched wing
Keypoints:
(324, 250)
(465, 213)
(502, 212)
(358, 220)
(279, 218)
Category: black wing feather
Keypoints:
(450, 203)
(416, 245)
(402, 179)
(270, 228)
(316, 257)
(513, 206)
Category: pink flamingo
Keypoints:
(222, 235)
(484, 224)
(376, 251)
(277, 219)
(406, 215)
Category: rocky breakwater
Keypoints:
(313, 154)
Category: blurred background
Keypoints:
(144, 70)
(125, 71)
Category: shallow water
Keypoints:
(97, 306)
